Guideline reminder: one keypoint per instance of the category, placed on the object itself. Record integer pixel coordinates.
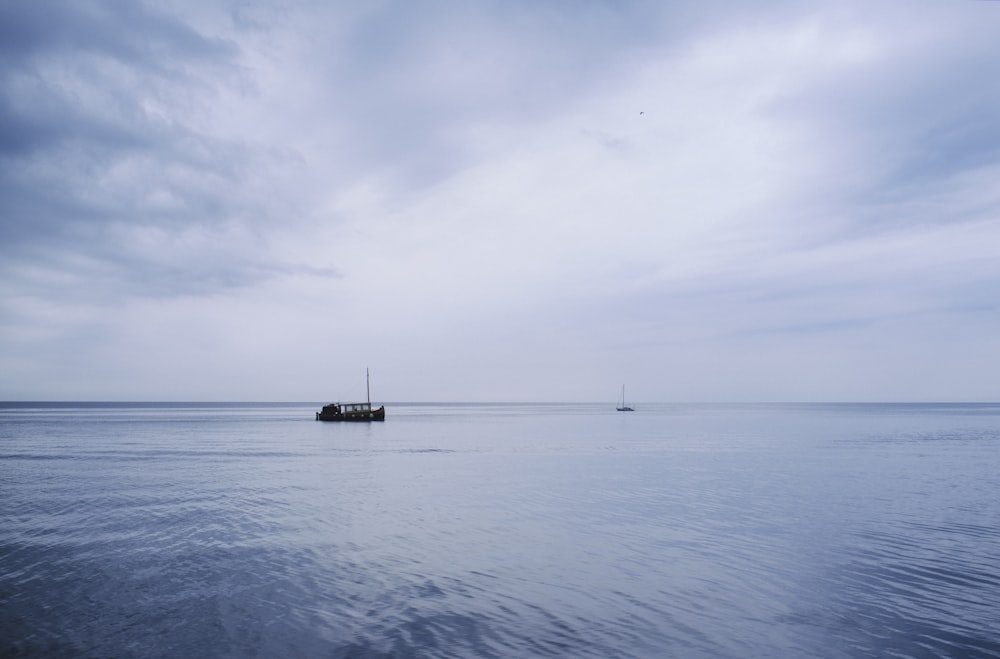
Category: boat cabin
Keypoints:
(350, 412)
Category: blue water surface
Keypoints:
(235, 530)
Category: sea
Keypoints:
(500, 530)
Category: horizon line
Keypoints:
(498, 402)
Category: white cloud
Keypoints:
(470, 202)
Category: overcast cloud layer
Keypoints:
(515, 201)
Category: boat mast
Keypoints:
(368, 386)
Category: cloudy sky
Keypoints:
(500, 200)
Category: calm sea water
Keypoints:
(147, 530)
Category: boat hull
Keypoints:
(361, 415)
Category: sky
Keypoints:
(242, 200)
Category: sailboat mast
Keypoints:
(368, 386)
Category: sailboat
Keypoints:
(622, 407)
(353, 411)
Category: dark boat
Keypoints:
(622, 407)
(352, 411)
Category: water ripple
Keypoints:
(498, 531)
